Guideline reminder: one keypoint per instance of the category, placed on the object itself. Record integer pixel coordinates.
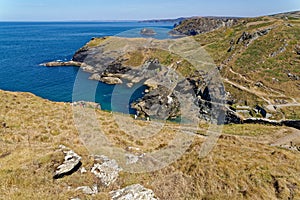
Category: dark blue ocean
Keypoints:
(25, 45)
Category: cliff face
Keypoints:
(195, 26)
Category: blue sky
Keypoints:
(66, 10)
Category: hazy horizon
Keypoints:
(134, 10)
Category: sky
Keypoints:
(87, 10)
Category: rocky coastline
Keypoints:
(163, 100)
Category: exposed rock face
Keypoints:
(232, 118)
(147, 32)
(84, 52)
(247, 38)
(70, 165)
(106, 170)
(133, 192)
(195, 26)
(106, 79)
(159, 103)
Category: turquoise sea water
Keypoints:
(25, 45)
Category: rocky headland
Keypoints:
(198, 25)
(114, 60)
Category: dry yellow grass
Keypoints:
(239, 167)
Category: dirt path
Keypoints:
(287, 139)
(264, 96)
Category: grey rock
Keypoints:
(158, 103)
(280, 50)
(106, 79)
(111, 80)
(259, 84)
(247, 38)
(230, 49)
(147, 32)
(133, 192)
(70, 165)
(280, 101)
(106, 170)
(293, 76)
(198, 25)
(88, 190)
(132, 159)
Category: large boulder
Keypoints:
(70, 165)
(133, 192)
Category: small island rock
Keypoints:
(147, 32)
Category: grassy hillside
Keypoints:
(267, 66)
(242, 166)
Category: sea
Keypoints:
(25, 45)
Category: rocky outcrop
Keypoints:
(159, 103)
(70, 165)
(60, 63)
(106, 79)
(247, 38)
(83, 53)
(147, 32)
(195, 26)
(133, 192)
(106, 170)
(280, 50)
(293, 76)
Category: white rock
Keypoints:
(88, 190)
(83, 170)
(133, 192)
(71, 161)
(106, 170)
(170, 100)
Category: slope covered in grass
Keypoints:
(242, 165)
